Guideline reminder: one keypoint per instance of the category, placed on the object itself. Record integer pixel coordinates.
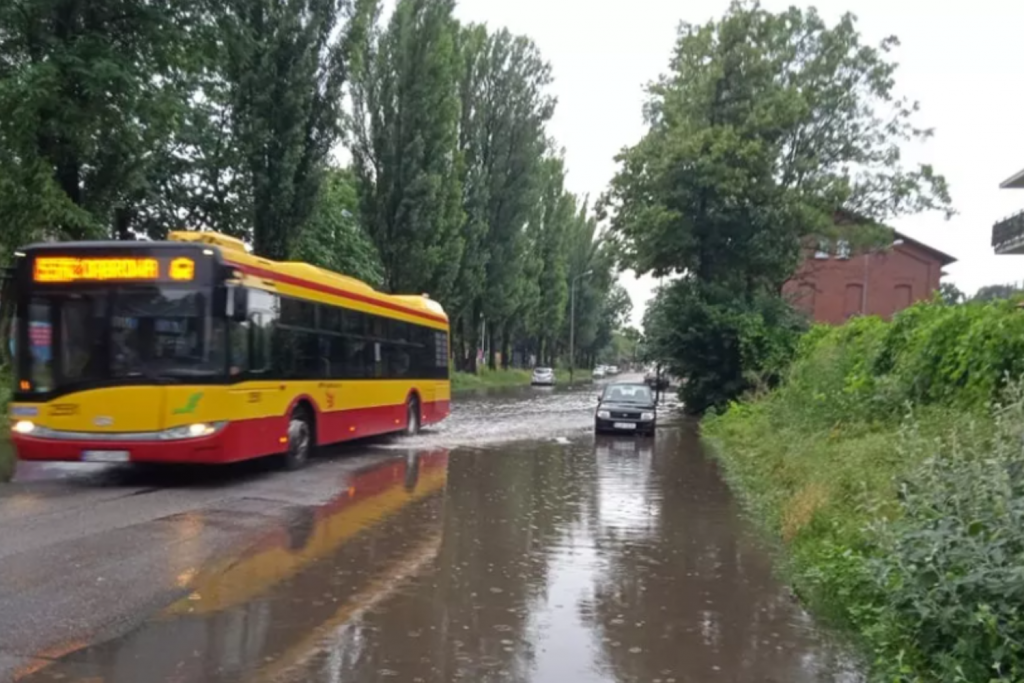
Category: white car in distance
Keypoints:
(543, 377)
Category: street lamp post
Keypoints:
(864, 289)
(572, 322)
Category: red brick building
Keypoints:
(834, 284)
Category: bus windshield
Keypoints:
(100, 335)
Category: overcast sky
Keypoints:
(962, 61)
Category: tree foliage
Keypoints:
(88, 91)
(333, 238)
(951, 294)
(503, 143)
(405, 131)
(767, 128)
(996, 292)
(283, 68)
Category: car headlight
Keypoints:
(646, 416)
(604, 414)
(192, 431)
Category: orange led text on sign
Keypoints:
(70, 269)
(183, 269)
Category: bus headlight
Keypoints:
(24, 426)
(192, 431)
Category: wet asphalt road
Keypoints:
(507, 545)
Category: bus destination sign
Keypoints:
(61, 269)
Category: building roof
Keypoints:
(1014, 181)
(942, 257)
(844, 217)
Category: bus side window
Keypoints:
(260, 331)
(238, 346)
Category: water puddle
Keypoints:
(615, 560)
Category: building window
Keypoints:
(843, 249)
(822, 252)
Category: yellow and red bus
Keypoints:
(192, 350)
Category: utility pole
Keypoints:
(572, 322)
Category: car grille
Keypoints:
(619, 415)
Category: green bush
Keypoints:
(896, 488)
(931, 354)
(951, 565)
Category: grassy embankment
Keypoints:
(493, 379)
(895, 484)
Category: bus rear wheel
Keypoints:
(300, 440)
(412, 420)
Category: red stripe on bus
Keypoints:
(239, 440)
(326, 289)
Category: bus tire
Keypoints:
(300, 439)
(412, 417)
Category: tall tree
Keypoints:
(284, 71)
(767, 126)
(405, 142)
(501, 136)
(551, 225)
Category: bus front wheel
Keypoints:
(412, 421)
(300, 440)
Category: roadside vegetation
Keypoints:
(889, 465)
(492, 379)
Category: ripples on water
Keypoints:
(537, 413)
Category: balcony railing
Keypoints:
(1008, 234)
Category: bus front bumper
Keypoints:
(210, 449)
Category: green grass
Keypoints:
(494, 379)
(821, 494)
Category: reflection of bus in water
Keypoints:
(248, 615)
(193, 350)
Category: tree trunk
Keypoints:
(122, 223)
(491, 360)
(506, 350)
(470, 338)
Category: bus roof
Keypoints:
(308, 276)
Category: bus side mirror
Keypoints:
(238, 303)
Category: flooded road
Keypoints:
(511, 545)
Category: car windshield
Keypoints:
(628, 393)
(151, 332)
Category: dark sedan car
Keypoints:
(626, 408)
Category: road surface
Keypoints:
(507, 545)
